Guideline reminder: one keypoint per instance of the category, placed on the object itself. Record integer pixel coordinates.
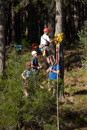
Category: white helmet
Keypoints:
(33, 52)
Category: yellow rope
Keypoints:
(59, 38)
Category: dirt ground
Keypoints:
(75, 90)
(73, 111)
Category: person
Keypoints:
(25, 76)
(34, 63)
(35, 67)
(26, 72)
(52, 79)
(44, 45)
(19, 48)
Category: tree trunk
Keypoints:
(8, 23)
(58, 29)
(51, 19)
(46, 18)
(76, 19)
(2, 36)
(17, 27)
(13, 22)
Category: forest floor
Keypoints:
(74, 108)
(73, 111)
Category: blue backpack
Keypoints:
(27, 73)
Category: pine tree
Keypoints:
(2, 36)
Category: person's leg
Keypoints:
(47, 58)
(54, 92)
(34, 79)
(44, 52)
(50, 53)
(54, 84)
(49, 87)
(25, 93)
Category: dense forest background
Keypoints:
(22, 23)
(26, 19)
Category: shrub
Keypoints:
(83, 39)
(16, 110)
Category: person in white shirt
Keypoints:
(44, 45)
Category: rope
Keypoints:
(59, 39)
(57, 95)
(57, 108)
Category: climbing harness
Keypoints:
(46, 51)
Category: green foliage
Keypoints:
(73, 74)
(49, 127)
(83, 38)
(18, 111)
(26, 43)
(71, 89)
(22, 4)
(66, 3)
(85, 2)
(12, 92)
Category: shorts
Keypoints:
(52, 84)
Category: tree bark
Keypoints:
(17, 27)
(51, 22)
(51, 19)
(58, 29)
(2, 36)
(8, 23)
(12, 23)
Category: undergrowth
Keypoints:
(37, 111)
(18, 111)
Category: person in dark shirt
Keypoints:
(34, 62)
(35, 67)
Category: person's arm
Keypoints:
(23, 75)
(57, 72)
(50, 40)
(32, 66)
(54, 71)
(53, 40)
(48, 69)
(36, 67)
